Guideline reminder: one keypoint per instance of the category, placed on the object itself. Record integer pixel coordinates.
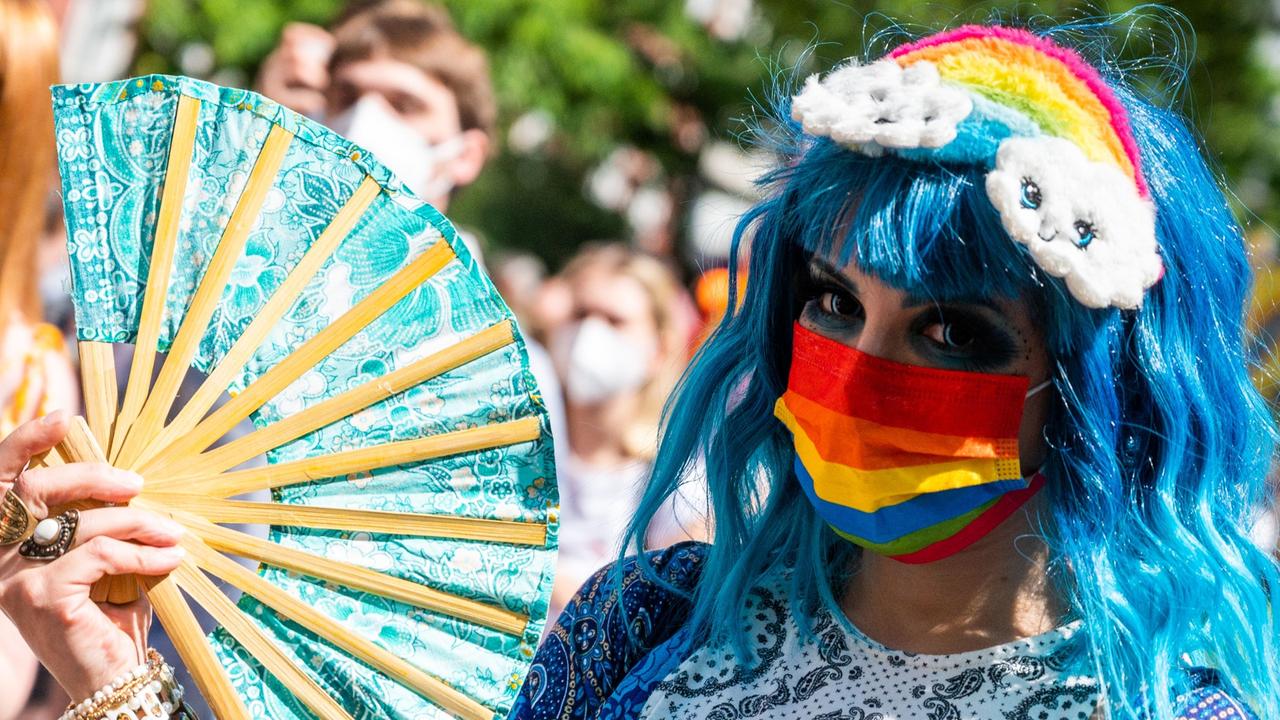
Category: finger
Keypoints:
(125, 523)
(48, 487)
(31, 438)
(304, 72)
(104, 556)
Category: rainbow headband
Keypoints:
(1064, 171)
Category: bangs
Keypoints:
(919, 227)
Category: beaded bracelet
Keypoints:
(147, 692)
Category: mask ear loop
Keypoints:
(1039, 387)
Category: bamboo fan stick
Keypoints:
(206, 298)
(330, 518)
(303, 358)
(49, 458)
(181, 145)
(431, 688)
(353, 576)
(196, 654)
(206, 594)
(98, 380)
(281, 300)
(355, 461)
(351, 401)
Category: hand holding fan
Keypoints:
(412, 522)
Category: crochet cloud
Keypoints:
(1082, 221)
(882, 105)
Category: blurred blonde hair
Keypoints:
(666, 302)
(28, 66)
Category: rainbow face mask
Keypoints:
(910, 462)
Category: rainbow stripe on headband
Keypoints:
(1064, 168)
(1050, 84)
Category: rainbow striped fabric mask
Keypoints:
(910, 462)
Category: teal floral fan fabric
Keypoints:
(412, 520)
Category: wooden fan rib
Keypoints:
(327, 518)
(354, 400)
(188, 638)
(353, 461)
(98, 381)
(206, 298)
(293, 365)
(202, 590)
(251, 339)
(181, 145)
(431, 688)
(352, 576)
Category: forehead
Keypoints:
(387, 76)
(607, 291)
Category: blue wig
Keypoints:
(1159, 444)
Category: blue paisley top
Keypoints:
(588, 668)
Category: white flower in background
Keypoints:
(882, 105)
(1083, 221)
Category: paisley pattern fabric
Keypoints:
(605, 632)
(836, 673)
(113, 144)
(587, 670)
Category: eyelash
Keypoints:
(990, 349)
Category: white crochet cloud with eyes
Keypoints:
(1083, 221)
(882, 105)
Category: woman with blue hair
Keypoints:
(980, 439)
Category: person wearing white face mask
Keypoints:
(618, 353)
(396, 78)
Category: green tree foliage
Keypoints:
(648, 75)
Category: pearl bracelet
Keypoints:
(147, 692)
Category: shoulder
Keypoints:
(618, 616)
(1209, 700)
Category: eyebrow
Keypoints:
(910, 300)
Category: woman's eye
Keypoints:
(838, 303)
(1084, 233)
(953, 336)
(1031, 197)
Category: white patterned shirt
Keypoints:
(840, 674)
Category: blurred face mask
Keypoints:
(417, 162)
(599, 362)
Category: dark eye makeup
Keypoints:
(960, 336)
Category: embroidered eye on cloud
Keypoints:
(1063, 169)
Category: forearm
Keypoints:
(19, 671)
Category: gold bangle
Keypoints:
(148, 692)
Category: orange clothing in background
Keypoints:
(35, 374)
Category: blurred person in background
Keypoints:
(396, 78)
(619, 353)
(35, 373)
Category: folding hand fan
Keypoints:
(412, 522)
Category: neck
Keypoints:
(995, 591)
(595, 435)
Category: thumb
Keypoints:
(31, 438)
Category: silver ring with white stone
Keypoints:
(53, 537)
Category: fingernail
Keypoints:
(53, 418)
(172, 529)
(173, 554)
(131, 479)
